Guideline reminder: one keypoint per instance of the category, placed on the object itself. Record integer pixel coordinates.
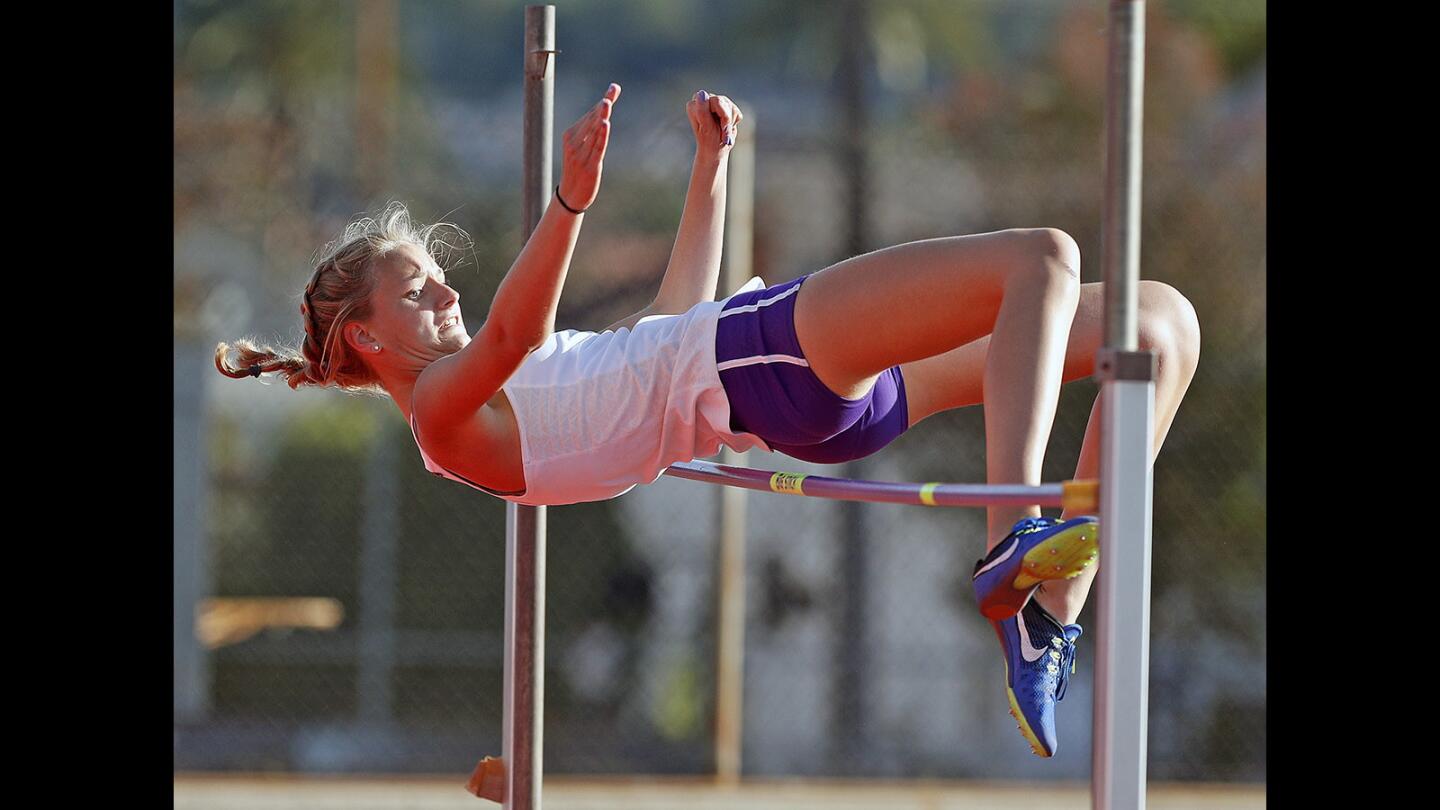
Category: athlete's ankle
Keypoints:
(1056, 606)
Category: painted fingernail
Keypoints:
(702, 95)
(729, 141)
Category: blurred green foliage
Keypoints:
(1235, 27)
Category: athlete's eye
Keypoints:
(413, 295)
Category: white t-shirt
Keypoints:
(600, 412)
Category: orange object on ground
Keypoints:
(488, 780)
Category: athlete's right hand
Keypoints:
(585, 144)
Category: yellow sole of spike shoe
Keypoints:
(1063, 556)
(1035, 747)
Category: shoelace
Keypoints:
(1031, 524)
(1067, 666)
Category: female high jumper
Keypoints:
(828, 367)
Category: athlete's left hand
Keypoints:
(715, 121)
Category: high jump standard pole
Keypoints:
(1127, 423)
(522, 724)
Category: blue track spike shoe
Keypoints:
(1036, 550)
(1039, 659)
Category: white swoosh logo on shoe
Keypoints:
(1026, 648)
(1002, 558)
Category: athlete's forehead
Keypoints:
(412, 263)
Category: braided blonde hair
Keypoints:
(339, 292)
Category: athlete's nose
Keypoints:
(452, 296)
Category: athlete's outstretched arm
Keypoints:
(523, 310)
(694, 269)
(522, 314)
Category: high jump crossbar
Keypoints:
(1127, 396)
(1081, 495)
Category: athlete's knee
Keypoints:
(1169, 327)
(1059, 250)
(1048, 259)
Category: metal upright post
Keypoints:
(730, 643)
(853, 663)
(1127, 427)
(523, 719)
(191, 538)
(379, 552)
(375, 91)
(376, 82)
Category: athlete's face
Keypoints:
(414, 315)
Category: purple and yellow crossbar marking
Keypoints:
(1082, 496)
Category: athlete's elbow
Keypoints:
(527, 337)
(500, 341)
(538, 340)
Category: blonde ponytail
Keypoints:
(252, 361)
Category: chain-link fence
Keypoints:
(347, 605)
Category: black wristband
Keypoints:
(254, 371)
(566, 206)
